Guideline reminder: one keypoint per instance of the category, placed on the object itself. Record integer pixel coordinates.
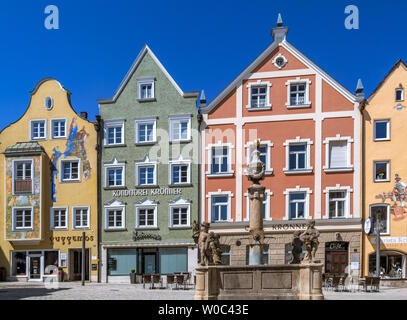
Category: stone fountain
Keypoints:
(299, 280)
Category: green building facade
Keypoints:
(149, 174)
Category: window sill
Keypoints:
(178, 185)
(59, 229)
(338, 169)
(180, 141)
(381, 140)
(302, 171)
(298, 106)
(23, 230)
(114, 229)
(269, 172)
(220, 175)
(23, 193)
(146, 100)
(115, 188)
(149, 143)
(70, 181)
(115, 145)
(38, 139)
(80, 228)
(222, 221)
(259, 108)
(147, 186)
(179, 228)
(381, 181)
(146, 228)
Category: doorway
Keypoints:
(35, 267)
(75, 264)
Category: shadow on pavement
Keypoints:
(18, 293)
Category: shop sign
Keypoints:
(288, 226)
(142, 236)
(390, 240)
(368, 226)
(336, 246)
(94, 266)
(70, 239)
(354, 265)
(146, 192)
(355, 257)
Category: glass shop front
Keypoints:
(34, 265)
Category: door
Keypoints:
(35, 267)
(149, 263)
(336, 262)
(75, 265)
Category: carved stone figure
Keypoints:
(214, 247)
(195, 231)
(256, 169)
(208, 244)
(203, 244)
(310, 239)
(297, 248)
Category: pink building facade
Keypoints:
(309, 128)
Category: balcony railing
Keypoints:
(22, 186)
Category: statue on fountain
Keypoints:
(310, 238)
(208, 244)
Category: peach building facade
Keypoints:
(309, 126)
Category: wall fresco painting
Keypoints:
(75, 147)
(399, 196)
(32, 200)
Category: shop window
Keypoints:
(19, 264)
(392, 265)
(50, 262)
(121, 261)
(173, 260)
(264, 254)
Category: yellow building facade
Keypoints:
(48, 190)
(385, 175)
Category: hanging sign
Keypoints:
(368, 226)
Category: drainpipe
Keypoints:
(363, 249)
(98, 128)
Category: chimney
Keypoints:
(84, 115)
(359, 89)
(279, 33)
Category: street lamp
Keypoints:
(378, 228)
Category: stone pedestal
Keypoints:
(275, 282)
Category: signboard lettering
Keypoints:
(142, 236)
(145, 192)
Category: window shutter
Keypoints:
(338, 154)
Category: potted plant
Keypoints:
(133, 276)
(60, 274)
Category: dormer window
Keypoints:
(399, 94)
(146, 89)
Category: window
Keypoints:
(338, 154)
(225, 255)
(381, 130)
(280, 61)
(179, 217)
(146, 172)
(265, 154)
(180, 171)
(400, 94)
(38, 129)
(381, 171)
(23, 218)
(298, 157)
(146, 214)
(115, 177)
(180, 128)
(81, 217)
(58, 129)
(70, 170)
(337, 204)
(146, 89)
(220, 157)
(298, 93)
(114, 132)
(19, 263)
(297, 202)
(48, 103)
(381, 211)
(220, 208)
(258, 97)
(146, 130)
(114, 218)
(23, 177)
(51, 262)
(59, 218)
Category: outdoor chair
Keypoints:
(156, 279)
(179, 281)
(375, 284)
(170, 280)
(187, 278)
(336, 282)
(146, 280)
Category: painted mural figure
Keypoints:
(398, 194)
(399, 191)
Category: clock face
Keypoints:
(368, 226)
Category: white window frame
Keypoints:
(267, 195)
(338, 138)
(297, 189)
(115, 205)
(141, 121)
(220, 193)
(14, 162)
(113, 124)
(181, 162)
(388, 130)
(387, 162)
(298, 81)
(51, 133)
(347, 207)
(297, 141)
(146, 81)
(402, 94)
(61, 162)
(180, 203)
(180, 118)
(115, 164)
(73, 218)
(258, 84)
(15, 228)
(209, 148)
(146, 204)
(52, 215)
(146, 163)
(250, 149)
(32, 128)
(387, 213)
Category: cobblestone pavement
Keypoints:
(99, 291)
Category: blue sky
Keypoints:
(203, 45)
